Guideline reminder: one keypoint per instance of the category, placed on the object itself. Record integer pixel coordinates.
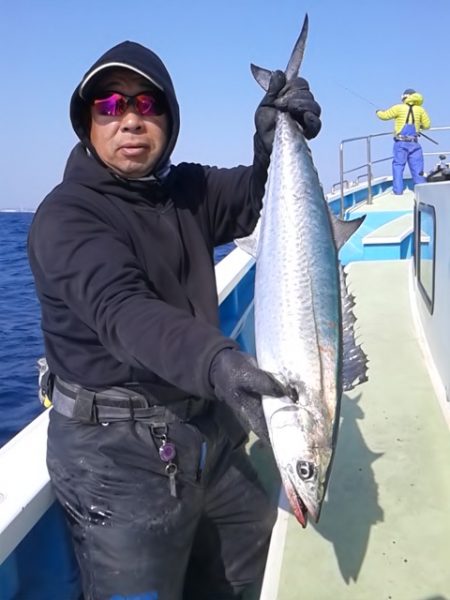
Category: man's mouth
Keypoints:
(131, 150)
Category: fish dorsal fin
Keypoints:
(354, 370)
(262, 75)
(343, 230)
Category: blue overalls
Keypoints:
(407, 149)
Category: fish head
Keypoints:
(304, 480)
(303, 452)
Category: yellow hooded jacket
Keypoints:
(399, 112)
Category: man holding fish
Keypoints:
(150, 401)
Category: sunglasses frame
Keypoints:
(156, 109)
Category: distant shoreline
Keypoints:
(18, 210)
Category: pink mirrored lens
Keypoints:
(112, 106)
(145, 104)
(116, 104)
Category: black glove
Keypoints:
(238, 382)
(293, 97)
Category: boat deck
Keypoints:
(388, 201)
(384, 532)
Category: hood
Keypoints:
(141, 60)
(414, 99)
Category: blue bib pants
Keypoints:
(407, 152)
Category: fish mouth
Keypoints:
(296, 502)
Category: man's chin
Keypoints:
(133, 170)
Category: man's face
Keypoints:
(131, 143)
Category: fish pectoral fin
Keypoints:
(249, 244)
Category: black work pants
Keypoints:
(133, 538)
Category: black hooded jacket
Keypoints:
(124, 268)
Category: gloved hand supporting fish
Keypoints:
(302, 307)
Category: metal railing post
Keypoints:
(369, 173)
(341, 178)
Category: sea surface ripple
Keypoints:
(20, 334)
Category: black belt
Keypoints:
(120, 404)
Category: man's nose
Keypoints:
(131, 120)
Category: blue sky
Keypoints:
(355, 49)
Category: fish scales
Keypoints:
(297, 289)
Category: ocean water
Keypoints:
(20, 334)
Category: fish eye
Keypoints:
(305, 470)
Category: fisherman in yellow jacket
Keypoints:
(410, 118)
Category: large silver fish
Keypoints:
(301, 311)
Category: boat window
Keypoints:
(426, 249)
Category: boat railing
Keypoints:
(370, 161)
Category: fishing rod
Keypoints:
(373, 104)
(428, 138)
(356, 94)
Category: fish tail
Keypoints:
(262, 75)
